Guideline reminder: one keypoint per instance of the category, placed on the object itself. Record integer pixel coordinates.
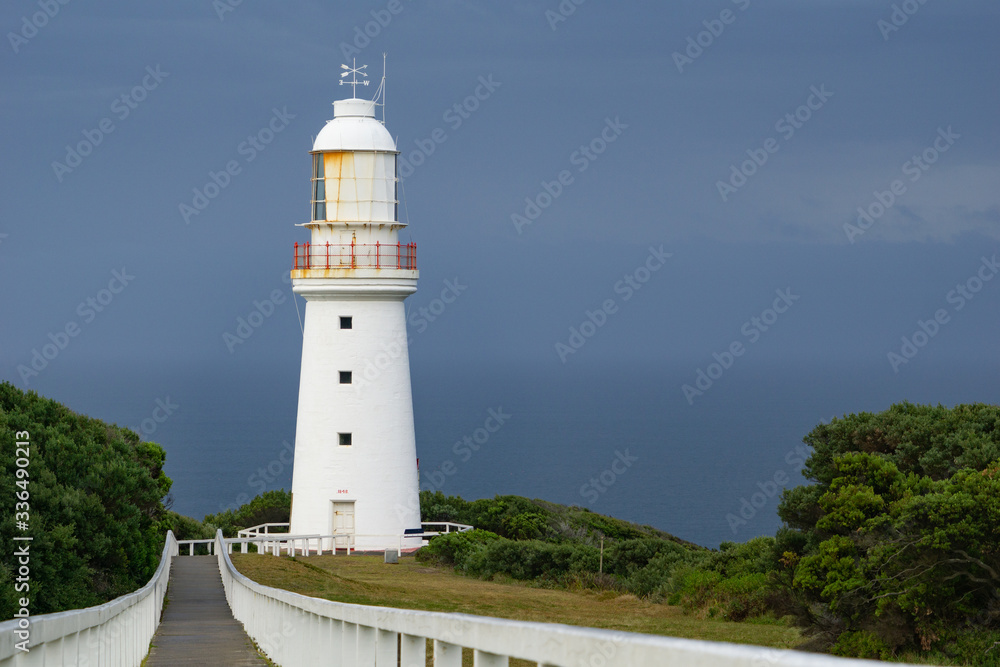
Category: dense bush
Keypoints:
(737, 582)
(508, 516)
(185, 528)
(268, 507)
(624, 558)
(898, 540)
(641, 561)
(485, 554)
(641, 567)
(861, 644)
(456, 548)
(94, 508)
(892, 553)
(519, 518)
(653, 579)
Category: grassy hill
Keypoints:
(415, 585)
(539, 561)
(518, 518)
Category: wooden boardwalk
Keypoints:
(198, 627)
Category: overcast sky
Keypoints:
(738, 137)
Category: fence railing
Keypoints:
(296, 630)
(263, 529)
(431, 528)
(355, 256)
(280, 541)
(191, 544)
(114, 634)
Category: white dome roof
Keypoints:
(354, 128)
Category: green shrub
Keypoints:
(627, 556)
(972, 646)
(725, 584)
(525, 525)
(96, 493)
(745, 596)
(898, 533)
(519, 518)
(615, 529)
(528, 559)
(861, 644)
(456, 548)
(693, 587)
(268, 507)
(653, 578)
(549, 544)
(435, 506)
(754, 556)
(184, 527)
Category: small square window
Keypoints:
(345, 439)
(346, 322)
(345, 377)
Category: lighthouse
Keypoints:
(355, 471)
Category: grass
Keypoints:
(413, 585)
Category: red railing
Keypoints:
(356, 256)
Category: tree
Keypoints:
(268, 507)
(94, 495)
(900, 534)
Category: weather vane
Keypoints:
(355, 70)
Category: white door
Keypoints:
(343, 524)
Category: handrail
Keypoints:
(255, 530)
(191, 544)
(355, 256)
(448, 525)
(275, 543)
(335, 541)
(114, 634)
(296, 630)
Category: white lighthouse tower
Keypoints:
(355, 472)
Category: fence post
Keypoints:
(447, 655)
(366, 645)
(333, 631)
(484, 659)
(412, 651)
(385, 648)
(349, 644)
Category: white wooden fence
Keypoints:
(281, 541)
(295, 630)
(114, 634)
